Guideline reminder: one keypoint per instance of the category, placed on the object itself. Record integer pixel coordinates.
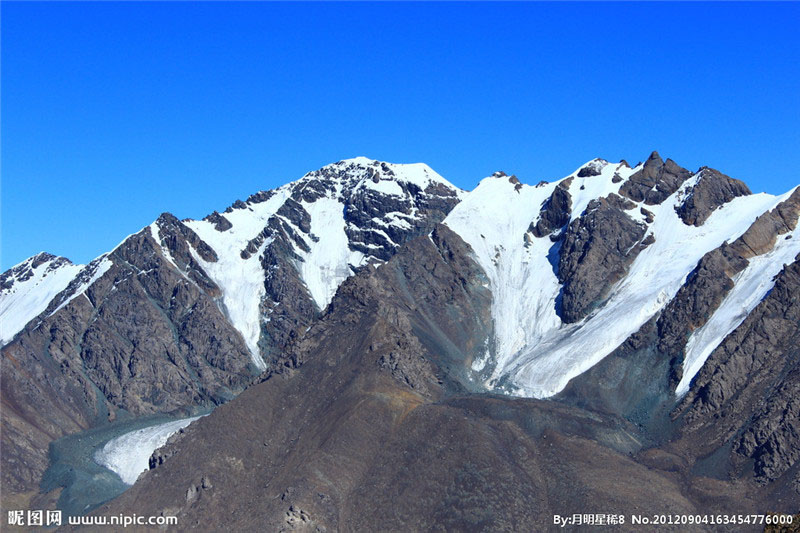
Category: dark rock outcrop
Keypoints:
(712, 190)
(655, 182)
(220, 222)
(555, 212)
(589, 171)
(761, 236)
(597, 249)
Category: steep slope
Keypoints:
(27, 289)
(579, 265)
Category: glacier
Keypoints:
(128, 455)
(536, 355)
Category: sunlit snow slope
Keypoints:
(28, 288)
(536, 353)
(327, 246)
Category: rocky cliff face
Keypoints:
(654, 181)
(377, 336)
(597, 249)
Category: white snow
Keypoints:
(750, 287)
(385, 187)
(326, 266)
(128, 455)
(26, 300)
(419, 174)
(102, 268)
(241, 280)
(535, 352)
(493, 219)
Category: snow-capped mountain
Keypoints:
(27, 288)
(328, 224)
(186, 313)
(616, 289)
(567, 293)
(603, 291)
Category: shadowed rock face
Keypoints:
(555, 212)
(598, 247)
(370, 428)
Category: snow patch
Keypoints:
(385, 187)
(240, 280)
(751, 285)
(128, 455)
(25, 300)
(327, 265)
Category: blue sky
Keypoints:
(115, 112)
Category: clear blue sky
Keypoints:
(115, 112)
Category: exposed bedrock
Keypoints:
(656, 181)
(555, 212)
(597, 249)
(712, 190)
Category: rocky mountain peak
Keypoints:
(348, 175)
(654, 159)
(26, 269)
(655, 181)
(27, 288)
(592, 168)
(711, 190)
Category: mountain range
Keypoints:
(381, 350)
